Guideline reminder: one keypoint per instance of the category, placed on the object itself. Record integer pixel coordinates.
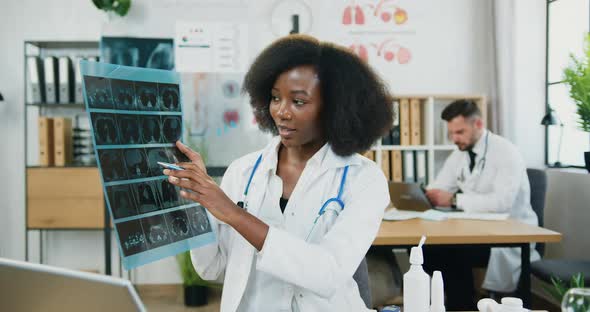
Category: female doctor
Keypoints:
(295, 219)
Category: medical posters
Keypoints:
(136, 116)
(212, 47)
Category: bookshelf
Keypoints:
(431, 136)
(66, 196)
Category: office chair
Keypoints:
(361, 277)
(538, 184)
(544, 269)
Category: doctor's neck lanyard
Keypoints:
(338, 199)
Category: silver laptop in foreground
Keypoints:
(34, 287)
(411, 196)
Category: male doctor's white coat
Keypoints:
(498, 183)
(290, 273)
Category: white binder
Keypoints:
(78, 97)
(65, 80)
(421, 167)
(35, 83)
(51, 80)
(408, 164)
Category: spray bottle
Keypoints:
(416, 283)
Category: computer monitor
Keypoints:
(35, 287)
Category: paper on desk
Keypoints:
(476, 215)
(399, 215)
(435, 215)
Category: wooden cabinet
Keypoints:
(64, 198)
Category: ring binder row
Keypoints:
(407, 128)
(60, 144)
(55, 80)
(403, 166)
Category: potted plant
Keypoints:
(560, 287)
(120, 7)
(577, 76)
(195, 288)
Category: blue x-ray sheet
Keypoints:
(136, 116)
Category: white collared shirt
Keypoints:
(290, 273)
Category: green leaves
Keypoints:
(577, 76)
(120, 7)
(560, 288)
(187, 271)
(190, 277)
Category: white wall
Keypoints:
(451, 57)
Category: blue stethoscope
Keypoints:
(481, 164)
(338, 199)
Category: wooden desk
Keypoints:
(505, 233)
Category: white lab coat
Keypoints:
(498, 183)
(319, 272)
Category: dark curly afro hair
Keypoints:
(357, 104)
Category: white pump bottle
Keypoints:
(416, 283)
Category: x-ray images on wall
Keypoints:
(138, 52)
(135, 125)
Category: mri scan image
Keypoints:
(98, 92)
(123, 94)
(137, 163)
(105, 129)
(138, 52)
(146, 96)
(171, 128)
(178, 225)
(175, 155)
(198, 220)
(150, 129)
(154, 155)
(131, 236)
(129, 129)
(111, 164)
(146, 197)
(169, 97)
(169, 194)
(121, 201)
(156, 231)
(161, 57)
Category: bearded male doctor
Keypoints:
(485, 174)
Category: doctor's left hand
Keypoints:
(202, 189)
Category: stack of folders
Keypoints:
(407, 123)
(405, 166)
(83, 146)
(55, 141)
(407, 129)
(54, 80)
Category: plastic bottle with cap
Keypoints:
(437, 293)
(416, 283)
(508, 304)
(511, 304)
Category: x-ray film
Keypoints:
(136, 118)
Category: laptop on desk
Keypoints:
(35, 287)
(411, 196)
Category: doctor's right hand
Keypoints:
(439, 197)
(194, 157)
(199, 187)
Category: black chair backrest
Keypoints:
(361, 277)
(538, 183)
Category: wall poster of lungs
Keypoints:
(381, 32)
